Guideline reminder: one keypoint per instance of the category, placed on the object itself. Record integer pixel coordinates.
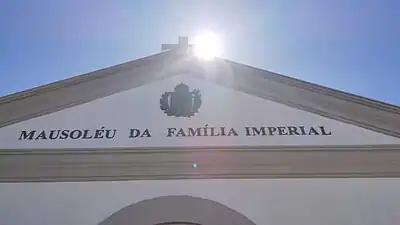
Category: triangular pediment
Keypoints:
(278, 110)
(184, 110)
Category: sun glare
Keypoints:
(207, 45)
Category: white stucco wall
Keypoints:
(277, 202)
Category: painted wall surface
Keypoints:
(277, 202)
(139, 109)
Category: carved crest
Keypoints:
(181, 102)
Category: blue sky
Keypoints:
(351, 45)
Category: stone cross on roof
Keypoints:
(182, 45)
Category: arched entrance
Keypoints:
(177, 210)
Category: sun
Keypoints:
(207, 45)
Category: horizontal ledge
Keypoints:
(180, 149)
(203, 176)
(221, 164)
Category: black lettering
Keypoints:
(25, 135)
(271, 130)
(212, 132)
(86, 135)
(109, 132)
(205, 130)
(223, 131)
(303, 131)
(261, 131)
(247, 131)
(64, 134)
(293, 131)
(75, 134)
(134, 133)
(282, 131)
(146, 133)
(42, 136)
(232, 132)
(313, 131)
(181, 133)
(324, 132)
(171, 131)
(99, 133)
(51, 135)
(194, 132)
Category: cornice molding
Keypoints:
(72, 165)
(321, 89)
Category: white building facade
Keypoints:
(170, 139)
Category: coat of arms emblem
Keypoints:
(182, 102)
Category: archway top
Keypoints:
(179, 209)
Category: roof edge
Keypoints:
(322, 89)
(79, 78)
